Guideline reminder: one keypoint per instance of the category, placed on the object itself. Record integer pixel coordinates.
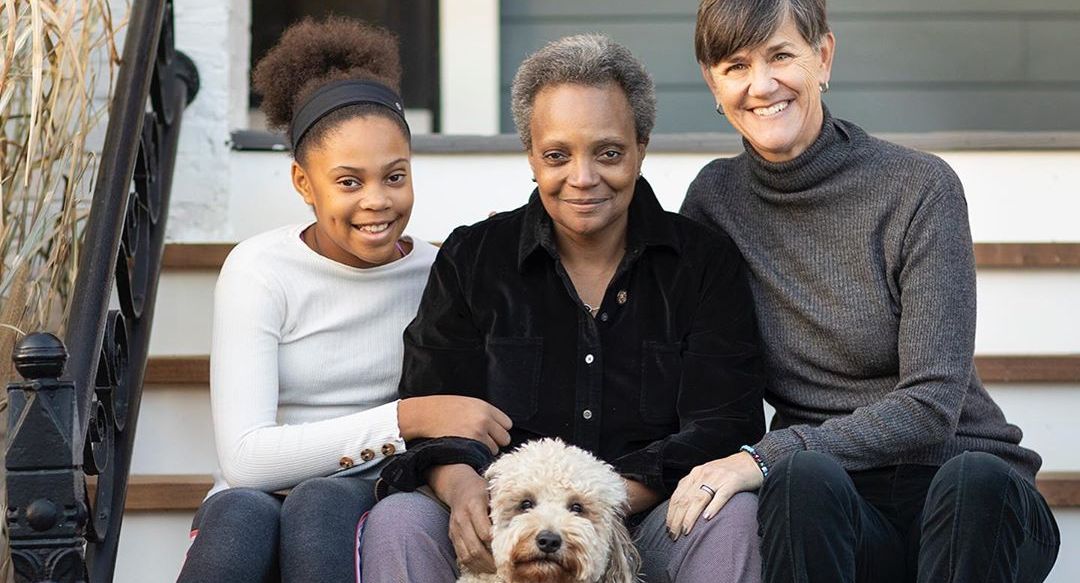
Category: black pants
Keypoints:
(247, 535)
(974, 519)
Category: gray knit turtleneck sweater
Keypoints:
(864, 280)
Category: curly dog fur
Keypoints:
(557, 515)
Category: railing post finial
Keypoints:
(40, 355)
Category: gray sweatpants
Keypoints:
(406, 540)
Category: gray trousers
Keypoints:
(406, 540)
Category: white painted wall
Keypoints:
(215, 34)
(152, 546)
(1028, 312)
(1021, 196)
(1012, 196)
(469, 66)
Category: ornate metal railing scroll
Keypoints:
(76, 413)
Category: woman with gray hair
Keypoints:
(589, 314)
(887, 460)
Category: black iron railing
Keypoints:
(68, 423)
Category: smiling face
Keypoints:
(359, 182)
(771, 92)
(585, 157)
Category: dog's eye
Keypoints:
(577, 508)
(526, 504)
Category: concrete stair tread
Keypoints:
(195, 370)
(184, 492)
(209, 256)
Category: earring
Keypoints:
(824, 86)
(533, 179)
(719, 109)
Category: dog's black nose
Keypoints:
(548, 541)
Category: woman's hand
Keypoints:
(727, 476)
(466, 493)
(451, 415)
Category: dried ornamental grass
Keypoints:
(57, 65)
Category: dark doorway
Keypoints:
(416, 23)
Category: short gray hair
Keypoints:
(587, 59)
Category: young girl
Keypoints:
(308, 322)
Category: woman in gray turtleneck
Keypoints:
(887, 459)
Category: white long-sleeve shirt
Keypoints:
(305, 360)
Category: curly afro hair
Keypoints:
(312, 53)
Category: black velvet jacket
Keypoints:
(666, 376)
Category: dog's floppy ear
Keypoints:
(625, 563)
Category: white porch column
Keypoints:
(469, 66)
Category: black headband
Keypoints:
(337, 94)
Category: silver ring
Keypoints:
(708, 490)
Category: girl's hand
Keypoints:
(726, 476)
(451, 415)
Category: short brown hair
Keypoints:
(727, 26)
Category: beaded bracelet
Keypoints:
(760, 461)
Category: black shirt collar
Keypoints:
(647, 225)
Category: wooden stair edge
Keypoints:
(1027, 255)
(185, 492)
(210, 256)
(190, 256)
(177, 370)
(163, 492)
(1060, 368)
(1033, 368)
(1060, 489)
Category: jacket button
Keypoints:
(346, 462)
(587, 414)
(367, 455)
(388, 449)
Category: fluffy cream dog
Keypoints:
(557, 515)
